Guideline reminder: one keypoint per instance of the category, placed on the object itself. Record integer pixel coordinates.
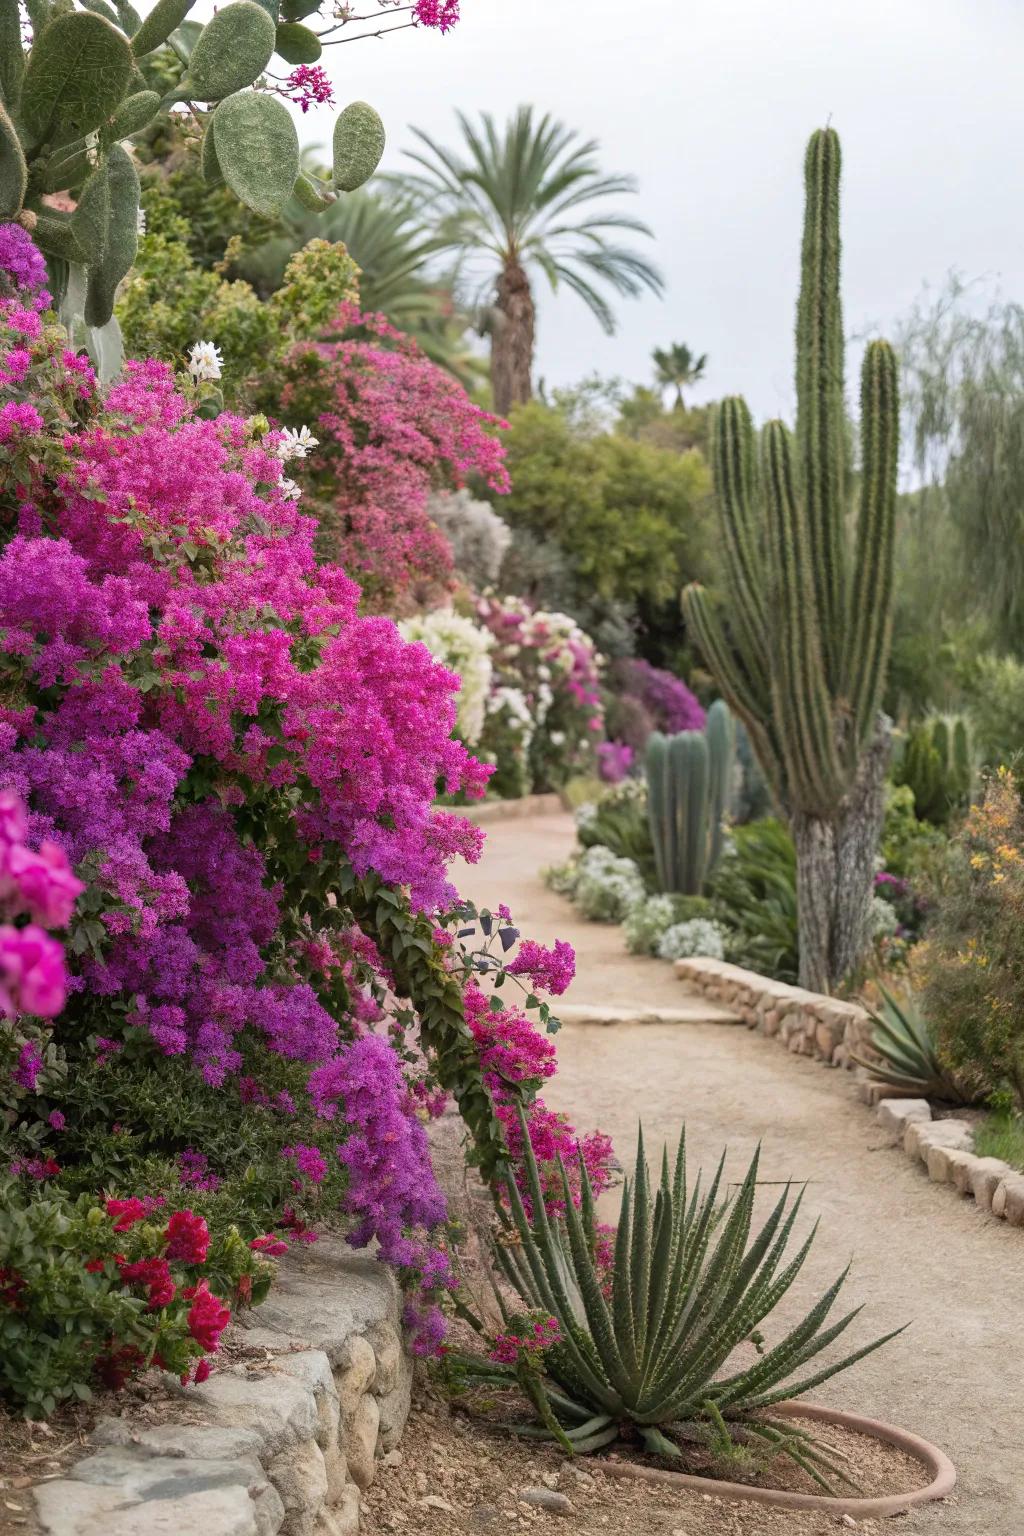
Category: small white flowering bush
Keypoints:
(646, 925)
(607, 888)
(696, 937)
(883, 919)
(464, 648)
(506, 740)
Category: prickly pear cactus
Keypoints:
(92, 77)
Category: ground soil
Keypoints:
(921, 1255)
(454, 1476)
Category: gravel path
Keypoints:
(919, 1253)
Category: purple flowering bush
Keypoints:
(220, 782)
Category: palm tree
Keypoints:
(524, 199)
(393, 249)
(675, 366)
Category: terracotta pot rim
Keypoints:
(935, 1462)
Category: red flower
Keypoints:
(10, 1284)
(207, 1316)
(94, 1265)
(154, 1273)
(269, 1245)
(188, 1238)
(115, 1367)
(126, 1213)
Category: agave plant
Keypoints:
(649, 1353)
(907, 1056)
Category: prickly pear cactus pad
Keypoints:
(358, 145)
(233, 50)
(257, 149)
(77, 75)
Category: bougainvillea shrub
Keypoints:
(393, 427)
(220, 781)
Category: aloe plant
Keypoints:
(691, 1283)
(906, 1051)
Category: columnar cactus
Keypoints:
(799, 646)
(689, 778)
(85, 84)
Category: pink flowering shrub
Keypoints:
(393, 427)
(221, 776)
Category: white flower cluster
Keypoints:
(295, 444)
(464, 648)
(696, 937)
(205, 361)
(646, 924)
(883, 919)
(607, 888)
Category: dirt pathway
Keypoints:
(919, 1253)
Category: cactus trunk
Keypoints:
(835, 866)
(800, 646)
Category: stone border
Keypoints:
(838, 1032)
(946, 1148)
(502, 810)
(281, 1444)
(807, 1023)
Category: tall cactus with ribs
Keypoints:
(799, 646)
(90, 79)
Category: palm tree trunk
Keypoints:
(512, 339)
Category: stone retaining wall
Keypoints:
(805, 1022)
(280, 1442)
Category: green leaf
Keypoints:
(12, 57)
(53, 236)
(13, 169)
(233, 51)
(134, 113)
(257, 149)
(122, 238)
(128, 17)
(358, 145)
(159, 24)
(297, 44)
(77, 73)
(312, 194)
(90, 222)
(212, 173)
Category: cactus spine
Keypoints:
(800, 645)
(688, 782)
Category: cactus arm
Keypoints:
(727, 665)
(720, 734)
(870, 624)
(12, 58)
(657, 803)
(688, 758)
(802, 708)
(821, 418)
(733, 460)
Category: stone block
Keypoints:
(895, 1114)
(1008, 1200)
(67, 1508)
(300, 1477)
(386, 1343)
(326, 1294)
(988, 1174)
(280, 1409)
(204, 1443)
(359, 1439)
(394, 1411)
(356, 1378)
(942, 1164)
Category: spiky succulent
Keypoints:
(651, 1352)
(907, 1057)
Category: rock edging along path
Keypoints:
(281, 1444)
(919, 1257)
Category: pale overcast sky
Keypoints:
(709, 103)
